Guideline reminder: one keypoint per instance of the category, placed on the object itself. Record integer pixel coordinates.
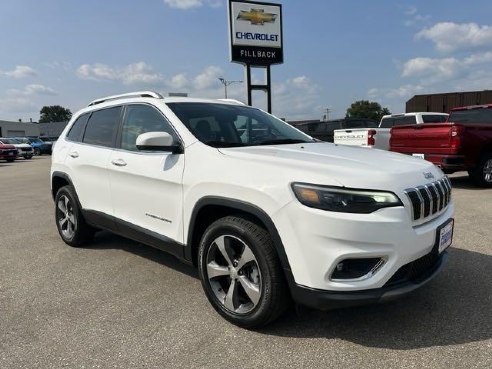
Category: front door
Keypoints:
(146, 186)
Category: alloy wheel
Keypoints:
(487, 171)
(233, 274)
(66, 218)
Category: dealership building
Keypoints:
(22, 129)
(444, 102)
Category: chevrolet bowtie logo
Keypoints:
(257, 16)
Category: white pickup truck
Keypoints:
(378, 138)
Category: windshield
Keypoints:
(10, 141)
(36, 140)
(221, 125)
(479, 115)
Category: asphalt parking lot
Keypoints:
(119, 304)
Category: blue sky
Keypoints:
(68, 52)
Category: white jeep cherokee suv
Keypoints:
(266, 213)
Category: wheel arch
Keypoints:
(58, 180)
(211, 208)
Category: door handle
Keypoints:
(118, 162)
(74, 154)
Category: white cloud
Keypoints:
(478, 58)
(449, 37)
(33, 89)
(208, 78)
(296, 98)
(444, 68)
(59, 65)
(136, 73)
(414, 18)
(404, 91)
(179, 81)
(16, 105)
(20, 71)
(140, 73)
(190, 4)
(432, 70)
(39, 90)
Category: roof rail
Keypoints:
(232, 101)
(153, 94)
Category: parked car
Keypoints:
(378, 138)
(265, 217)
(39, 147)
(8, 152)
(24, 150)
(324, 130)
(464, 142)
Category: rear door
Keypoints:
(88, 157)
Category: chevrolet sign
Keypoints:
(257, 16)
(255, 31)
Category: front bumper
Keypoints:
(448, 163)
(316, 241)
(328, 300)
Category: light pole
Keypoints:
(227, 83)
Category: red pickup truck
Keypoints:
(463, 142)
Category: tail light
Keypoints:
(456, 134)
(371, 141)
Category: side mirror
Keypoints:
(158, 141)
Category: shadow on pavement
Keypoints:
(453, 309)
(464, 182)
(106, 240)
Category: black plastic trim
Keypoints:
(245, 207)
(129, 230)
(327, 300)
(63, 175)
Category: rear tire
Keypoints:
(10, 160)
(482, 174)
(241, 273)
(71, 225)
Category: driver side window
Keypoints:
(141, 119)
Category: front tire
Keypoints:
(241, 273)
(37, 151)
(482, 174)
(71, 225)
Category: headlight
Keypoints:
(344, 200)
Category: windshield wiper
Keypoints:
(283, 141)
(223, 144)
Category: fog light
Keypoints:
(350, 269)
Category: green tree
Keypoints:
(366, 109)
(54, 113)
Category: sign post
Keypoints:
(256, 40)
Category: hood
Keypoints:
(349, 166)
(6, 146)
(23, 146)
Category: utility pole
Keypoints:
(227, 83)
(326, 117)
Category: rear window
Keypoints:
(434, 118)
(102, 126)
(480, 115)
(77, 129)
(398, 121)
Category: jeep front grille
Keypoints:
(429, 199)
